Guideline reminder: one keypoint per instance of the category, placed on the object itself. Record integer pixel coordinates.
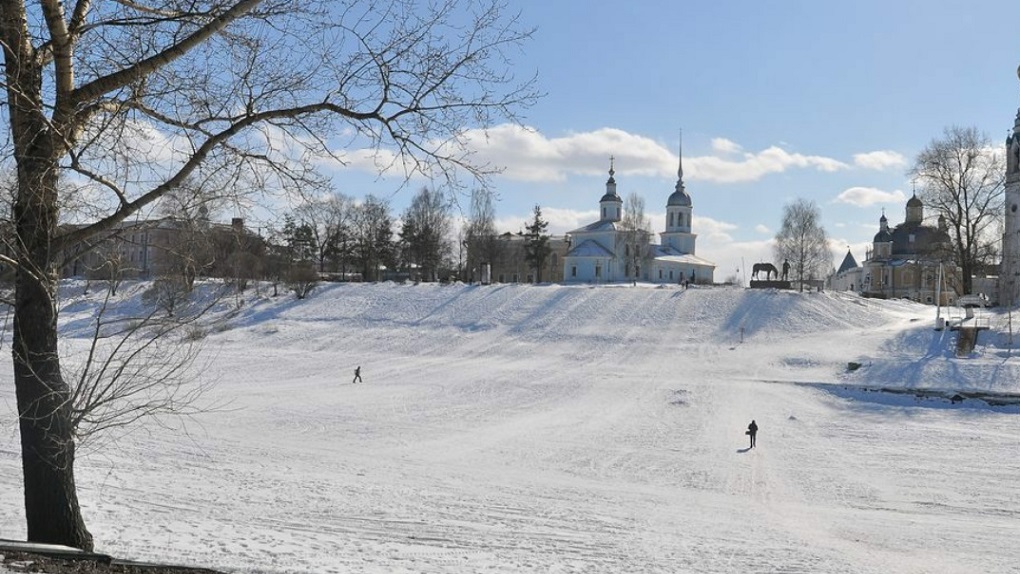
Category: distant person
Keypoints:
(786, 269)
(752, 431)
(357, 377)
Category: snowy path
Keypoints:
(558, 430)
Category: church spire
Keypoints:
(680, 169)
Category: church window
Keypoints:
(660, 273)
(573, 270)
(626, 250)
(598, 271)
(910, 238)
(671, 219)
(626, 270)
(603, 213)
(670, 274)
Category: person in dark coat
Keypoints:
(357, 375)
(752, 431)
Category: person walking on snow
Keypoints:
(357, 375)
(752, 430)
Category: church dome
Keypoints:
(883, 236)
(679, 198)
(610, 197)
(914, 202)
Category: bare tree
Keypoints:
(423, 234)
(168, 293)
(480, 233)
(302, 279)
(330, 219)
(136, 366)
(373, 237)
(962, 177)
(136, 99)
(802, 241)
(636, 231)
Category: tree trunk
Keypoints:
(45, 418)
(47, 441)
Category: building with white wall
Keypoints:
(605, 252)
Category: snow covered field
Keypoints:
(565, 429)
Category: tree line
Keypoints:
(341, 238)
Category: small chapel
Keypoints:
(607, 252)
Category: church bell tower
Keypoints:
(1009, 272)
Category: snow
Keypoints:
(562, 429)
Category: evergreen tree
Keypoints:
(373, 238)
(536, 244)
(423, 234)
(300, 240)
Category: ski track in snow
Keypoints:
(562, 430)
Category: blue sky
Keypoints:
(777, 101)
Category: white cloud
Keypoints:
(880, 160)
(865, 196)
(516, 223)
(754, 166)
(560, 220)
(762, 228)
(526, 154)
(723, 145)
(709, 229)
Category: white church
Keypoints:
(605, 252)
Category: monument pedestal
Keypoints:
(770, 284)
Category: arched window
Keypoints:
(671, 219)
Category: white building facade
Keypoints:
(605, 252)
